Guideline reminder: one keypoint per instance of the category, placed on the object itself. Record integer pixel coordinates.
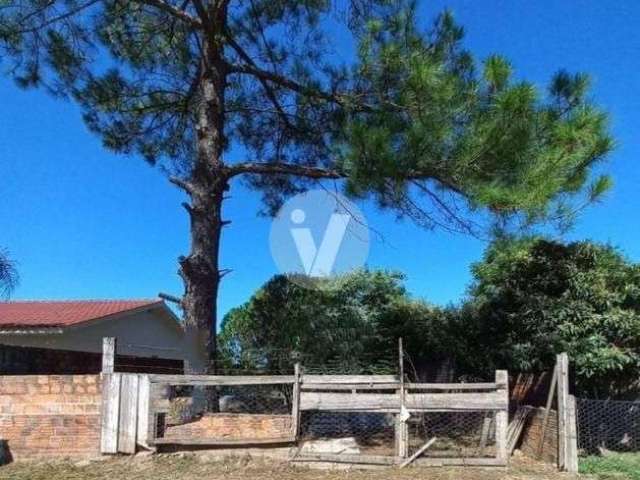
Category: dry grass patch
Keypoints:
(203, 467)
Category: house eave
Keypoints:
(33, 331)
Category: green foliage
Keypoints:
(408, 119)
(612, 466)
(533, 298)
(350, 324)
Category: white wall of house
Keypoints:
(152, 333)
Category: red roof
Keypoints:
(64, 313)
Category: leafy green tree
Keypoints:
(217, 90)
(8, 275)
(533, 298)
(349, 324)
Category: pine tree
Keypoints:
(215, 90)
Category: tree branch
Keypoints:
(180, 183)
(275, 168)
(171, 10)
(271, 95)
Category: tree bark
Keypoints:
(206, 186)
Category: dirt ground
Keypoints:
(201, 467)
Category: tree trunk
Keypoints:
(206, 186)
(200, 272)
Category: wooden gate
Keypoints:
(125, 406)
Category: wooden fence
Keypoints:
(135, 405)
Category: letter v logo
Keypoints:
(319, 262)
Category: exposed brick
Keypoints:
(50, 416)
(233, 427)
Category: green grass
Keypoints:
(613, 466)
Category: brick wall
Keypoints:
(228, 426)
(532, 433)
(50, 416)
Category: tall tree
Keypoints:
(8, 274)
(218, 89)
(533, 298)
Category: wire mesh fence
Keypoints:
(229, 413)
(348, 433)
(608, 425)
(468, 434)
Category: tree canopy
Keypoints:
(213, 90)
(534, 298)
(350, 324)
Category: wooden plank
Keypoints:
(563, 400)
(110, 413)
(545, 420)
(350, 386)
(402, 429)
(366, 379)
(486, 428)
(346, 458)
(152, 420)
(502, 416)
(379, 402)
(222, 380)
(295, 401)
(218, 442)
(571, 462)
(420, 451)
(143, 411)
(460, 462)
(516, 426)
(108, 355)
(452, 386)
(127, 426)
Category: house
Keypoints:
(65, 337)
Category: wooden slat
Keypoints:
(344, 458)
(222, 380)
(460, 462)
(452, 386)
(515, 428)
(414, 402)
(545, 420)
(295, 401)
(143, 411)
(486, 429)
(571, 463)
(110, 413)
(563, 399)
(502, 417)
(350, 386)
(152, 420)
(420, 451)
(366, 379)
(108, 354)
(221, 442)
(127, 427)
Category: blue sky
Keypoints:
(84, 223)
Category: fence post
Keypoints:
(567, 433)
(295, 401)
(562, 364)
(502, 416)
(108, 354)
(402, 427)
